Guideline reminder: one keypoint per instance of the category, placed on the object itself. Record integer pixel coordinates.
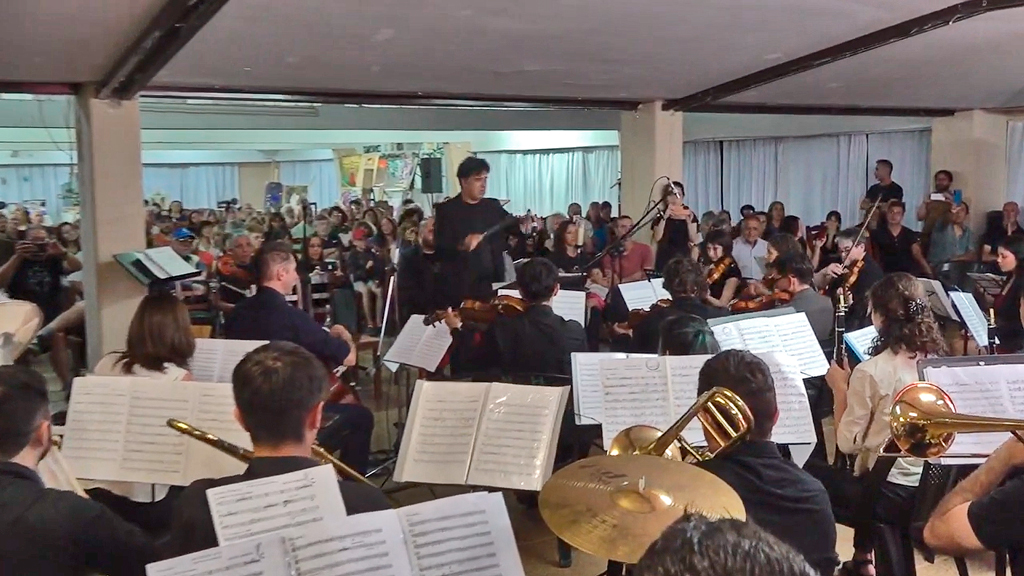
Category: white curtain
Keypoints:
(548, 181)
(198, 186)
(820, 174)
(1015, 162)
(749, 173)
(21, 183)
(910, 154)
(321, 176)
(702, 175)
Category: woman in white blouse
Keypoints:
(907, 332)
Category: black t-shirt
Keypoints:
(674, 242)
(716, 289)
(1008, 324)
(470, 274)
(995, 237)
(998, 521)
(895, 253)
(891, 192)
(564, 262)
(38, 281)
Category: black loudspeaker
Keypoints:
(430, 176)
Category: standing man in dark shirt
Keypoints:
(886, 188)
(778, 496)
(419, 276)
(470, 262)
(47, 531)
(899, 248)
(279, 390)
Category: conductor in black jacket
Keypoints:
(470, 262)
(538, 341)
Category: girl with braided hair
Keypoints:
(907, 332)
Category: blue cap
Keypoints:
(183, 234)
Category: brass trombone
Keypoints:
(923, 423)
(245, 455)
(722, 413)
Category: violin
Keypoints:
(852, 274)
(766, 302)
(226, 267)
(483, 313)
(719, 268)
(637, 316)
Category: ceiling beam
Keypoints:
(727, 108)
(177, 22)
(889, 35)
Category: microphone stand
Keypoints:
(637, 225)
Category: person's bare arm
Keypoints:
(728, 291)
(918, 255)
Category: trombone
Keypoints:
(721, 412)
(923, 422)
(246, 455)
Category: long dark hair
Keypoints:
(907, 320)
(560, 247)
(160, 333)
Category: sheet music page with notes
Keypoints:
(213, 411)
(153, 453)
(588, 396)
(981, 391)
(464, 534)
(307, 498)
(266, 556)
(977, 322)
(682, 377)
(860, 341)
(94, 435)
(799, 342)
(639, 295)
(795, 424)
(437, 443)
(636, 391)
(729, 336)
(419, 345)
(515, 444)
(369, 543)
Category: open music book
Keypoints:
(588, 397)
(657, 391)
(465, 534)
(974, 318)
(791, 334)
(419, 345)
(860, 341)
(265, 556)
(642, 294)
(117, 430)
(156, 264)
(569, 304)
(215, 358)
(482, 434)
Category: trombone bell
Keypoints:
(724, 416)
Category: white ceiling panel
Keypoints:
(972, 64)
(67, 41)
(608, 49)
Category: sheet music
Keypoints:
(639, 295)
(636, 391)
(974, 318)
(95, 430)
(153, 453)
(214, 412)
(165, 263)
(659, 289)
(937, 298)
(729, 336)
(266, 556)
(588, 396)
(369, 543)
(438, 440)
(860, 341)
(682, 375)
(465, 534)
(795, 424)
(515, 445)
(790, 333)
(215, 358)
(419, 345)
(302, 499)
(569, 304)
(980, 391)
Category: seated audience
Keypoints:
(695, 545)
(951, 239)
(686, 282)
(995, 235)
(750, 251)
(48, 531)
(778, 496)
(279, 390)
(628, 263)
(566, 254)
(366, 268)
(236, 272)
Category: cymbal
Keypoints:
(615, 506)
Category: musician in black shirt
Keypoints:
(470, 261)
(47, 531)
(857, 273)
(279, 390)
(684, 279)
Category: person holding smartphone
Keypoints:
(34, 272)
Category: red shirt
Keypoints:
(638, 258)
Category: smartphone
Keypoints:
(39, 247)
(958, 197)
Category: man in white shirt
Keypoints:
(750, 252)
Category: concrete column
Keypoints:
(651, 145)
(110, 179)
(972, 145)
(454, 154)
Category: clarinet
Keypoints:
(992, 338)
(839, 352)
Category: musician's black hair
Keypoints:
(721, 238)
(790, 225)
(673, 187)
(747, 207)
(472, 166)
(886, 163)
(686, 335)
(271, 255)
(683, 277)
(1015, 245)
(606, 204)
(851, 234)
(838, 216)
(947, 173)
(898, 204)
(276, 386)
(24, 403)
(748, 377)
(795, 264)
(785, 243)
(537, 279)
(695, 545)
